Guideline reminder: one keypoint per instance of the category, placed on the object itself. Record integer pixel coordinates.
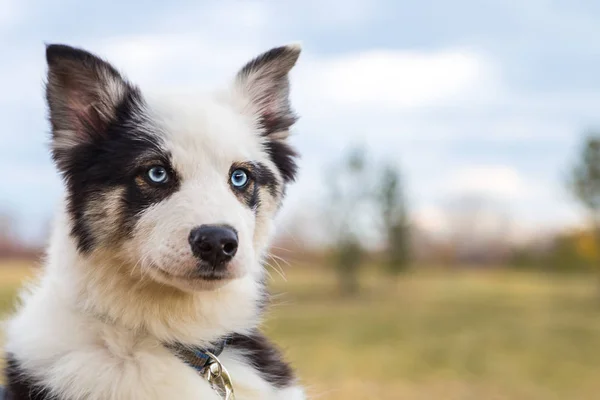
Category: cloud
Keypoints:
(381, 81)
(430, 219)
(166, 60)
(495, 181)
(391, 79)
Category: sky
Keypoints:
(483, 98)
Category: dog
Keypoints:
(155, 261)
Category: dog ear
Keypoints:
(264, 82)
(83, 93)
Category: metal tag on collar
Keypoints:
(218, 377)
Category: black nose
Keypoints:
(215, 244)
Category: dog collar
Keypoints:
(207, 364)
(197, 357)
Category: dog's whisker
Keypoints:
(276, 260)
(268, 272)
(278, 270)
(282, 249)
(281, 259)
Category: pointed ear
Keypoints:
(264, 82)
(83, 93)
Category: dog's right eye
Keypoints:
(157, 174)
(239, 178)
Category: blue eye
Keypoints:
(239, 178)
(158, 174)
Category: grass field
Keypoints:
(443, 335)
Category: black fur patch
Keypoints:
(117, 159)
(277, 123)
(265, 357)
(58, 52)
(20, 385)
(260, 176)
(284, 157)
(265, 178)
(271, 57)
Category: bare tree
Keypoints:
(394, 218)
(584, 181)
(348, 193)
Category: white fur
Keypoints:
(92, 327)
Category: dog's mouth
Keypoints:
(200, 274)
(203, 277)
(210, 273)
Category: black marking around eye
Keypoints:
(112, 161)
(265, 177)
(284, 157)
(260, 176)
(253, 200)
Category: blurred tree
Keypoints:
(565, 253)
(584, 182)
(349, 257)
(586, 245)
(523, 257)
(395, 222)
(349, 192)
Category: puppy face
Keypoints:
(183, 193)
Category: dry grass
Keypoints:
(463, 335)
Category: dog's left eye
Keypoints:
(158, 174)
(239, 178)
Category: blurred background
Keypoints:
(442, 240)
